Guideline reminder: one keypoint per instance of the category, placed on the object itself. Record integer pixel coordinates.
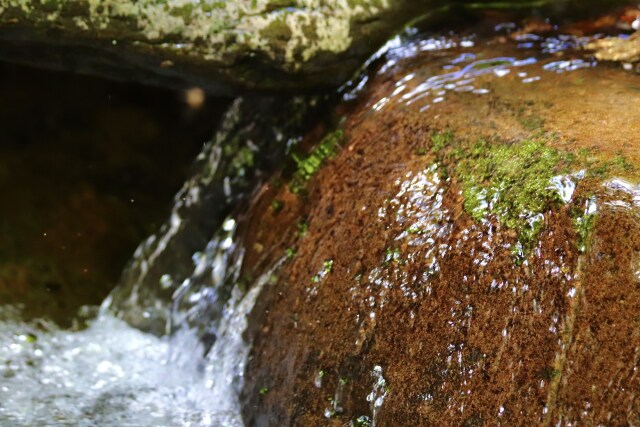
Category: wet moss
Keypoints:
(361, 421)
(440, 140)
(392, 255)
(307, 166)
(327, 267)
(276, 206)
(301, 229)
(242, 161)
(584, 220)
(531, 122)
(511, 183)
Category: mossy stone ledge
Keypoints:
(225, 47)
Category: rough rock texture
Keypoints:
(468, 258)
(222, 46)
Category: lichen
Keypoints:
(213, 29)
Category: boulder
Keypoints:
(468, 252)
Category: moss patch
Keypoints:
(512, 182)
(308, 165)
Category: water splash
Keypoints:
(111, 374)
(249, 144)
(107, 374)
(378, 393)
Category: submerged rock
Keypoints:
(470, 255)
(617, 49)
(222, 46)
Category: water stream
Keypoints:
(189, 372)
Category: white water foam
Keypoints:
(109, 374)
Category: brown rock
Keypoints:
(406, 304)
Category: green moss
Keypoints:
(511, 183)
(242, 161)
(301, 229)
(549, 373)
(309, 165)
(327, 267)
(531, 122)
(440, 140)
(584, 221)
(361, 421)
(596, 167)
(584, 226)
(290, 253)
(414, 229)
(391, 255)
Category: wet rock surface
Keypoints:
(468, 257)
(455, 244)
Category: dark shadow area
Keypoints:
(88, 168)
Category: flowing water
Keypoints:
(113, 374)
(190, 372)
